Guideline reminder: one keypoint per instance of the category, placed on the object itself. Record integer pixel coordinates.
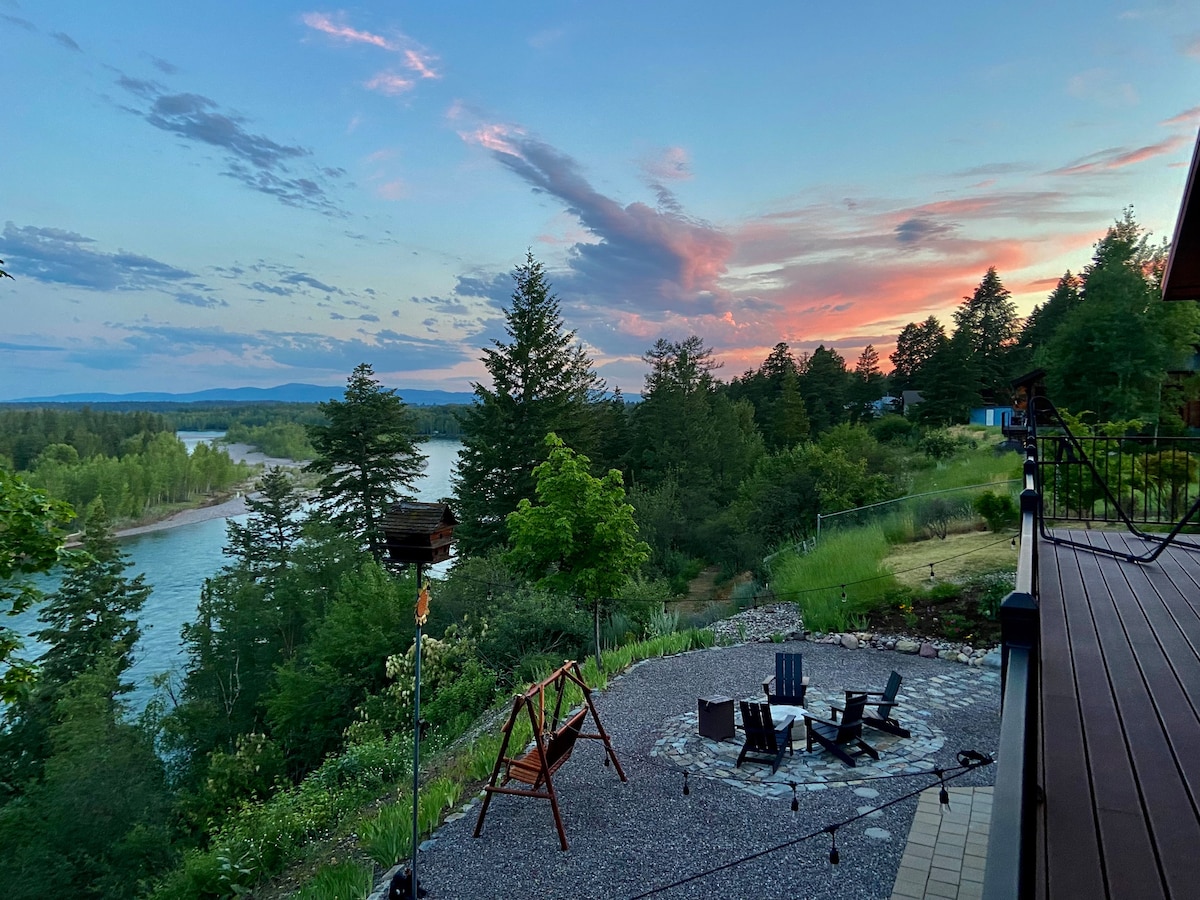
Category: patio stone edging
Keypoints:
(782, 621)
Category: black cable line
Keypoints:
(969, 761)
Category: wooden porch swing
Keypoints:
(553, 741)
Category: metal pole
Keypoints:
(416, 735)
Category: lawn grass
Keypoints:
(958, 557)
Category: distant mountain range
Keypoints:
(284, 393)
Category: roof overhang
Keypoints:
(1182, 278)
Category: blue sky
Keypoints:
(220, 194)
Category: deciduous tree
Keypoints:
(579, 537)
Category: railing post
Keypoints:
(1011, 859)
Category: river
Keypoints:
(176, 561)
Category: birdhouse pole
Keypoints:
(422, 613)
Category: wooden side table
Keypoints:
(716, 718)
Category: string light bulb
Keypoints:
(843, 593)
(795, 800)
(686, 790)
(834, 856)
(943, 794)
(931, 571)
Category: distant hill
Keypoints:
(284, 393)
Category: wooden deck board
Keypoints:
(1124, 764)
(1069, 838)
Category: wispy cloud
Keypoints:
(389, 83)
(421, 63)
(412, 56)
(338, 29)
(1188, 117)
(58, 256)
(1192, 46)
(1119, 157)
(67, 41)
(255, 160)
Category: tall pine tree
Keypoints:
(988, 321)
(542, 381)
(367, 456)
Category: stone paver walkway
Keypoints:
(682, 747)
(947, 848)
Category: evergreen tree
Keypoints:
(263, 545)
(94, 823)
(950, 382)
(824, 386)
(1112, 352)
(774, 390)
(915, 346)
(367, 456)
(988, 321)
(94, 610)
(542, 381)
(92, 616)
(867, 385)
(1044, 321)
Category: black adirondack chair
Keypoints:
(787, 686)
(880, 718)
(763, 737)
(837, 737)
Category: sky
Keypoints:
(227, 194)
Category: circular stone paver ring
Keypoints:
(682, 747)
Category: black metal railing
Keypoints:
(1010, 861)
(1128, 480)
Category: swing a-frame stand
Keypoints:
(553, 741)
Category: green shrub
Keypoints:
(893, 429)
(458, 702)
(998, 510)
(939, 444)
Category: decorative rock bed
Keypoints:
(781, 621)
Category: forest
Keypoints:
(582, 519)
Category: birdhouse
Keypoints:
(418, 532)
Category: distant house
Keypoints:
(909, 399)
(991, 415)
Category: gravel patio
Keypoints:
(627, 839)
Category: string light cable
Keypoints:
(969, 760)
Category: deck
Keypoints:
(1119, 755)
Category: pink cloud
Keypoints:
(325, 24)
(389, 83)
(1118, 157)
(1192, 48)
(1187, 117)
(420, 64)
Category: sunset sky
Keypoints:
(224, 194)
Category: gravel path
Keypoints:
(628, 838)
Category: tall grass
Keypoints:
(339, 881)
(814, 581)
(980, 466)
(387, 838)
